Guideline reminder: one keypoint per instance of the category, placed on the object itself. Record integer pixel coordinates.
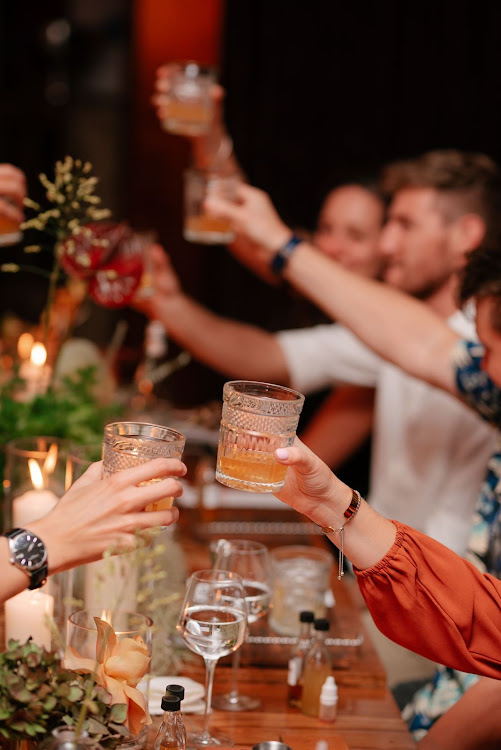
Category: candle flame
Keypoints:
(106, 616)
(50, 459)
(38, 354)
(25, 345)
(36, 474)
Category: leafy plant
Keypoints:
(69, 410)
(37, 695)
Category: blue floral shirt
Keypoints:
(484, 544)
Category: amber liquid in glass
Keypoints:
(164, 504)
(252, 466)
(188, 118)
(206, 228)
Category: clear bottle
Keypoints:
(328, 700)
(178, 692)
(296, 659)
(168, 737)
(317, 667)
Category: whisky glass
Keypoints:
(200, 226)
(257, 418)
(128, 444)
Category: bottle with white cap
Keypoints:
(328, 700)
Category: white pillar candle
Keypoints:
(27, 614)
(31, 506)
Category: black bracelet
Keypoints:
(282, 255)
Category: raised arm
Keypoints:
(235, 349)
(98, 515)
(398, 328)
(420, 593)
(12, 192)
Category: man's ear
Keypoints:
(468, 233)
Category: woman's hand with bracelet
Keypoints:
(313, 490)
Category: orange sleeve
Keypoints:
(428, 599)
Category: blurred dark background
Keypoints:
(314, 91)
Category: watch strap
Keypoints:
(282, 255)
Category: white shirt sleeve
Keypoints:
(327, 355)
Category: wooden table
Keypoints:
(368, 717)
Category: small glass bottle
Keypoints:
(178, 692)
(328, 700)
(168, 735)
(296, 660)
(317, 667)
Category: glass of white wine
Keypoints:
(212, 621)
(250, 560)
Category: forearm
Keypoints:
(471, 723)
(13, 580)
(398, 328)
(236, 349)
(431, 601)
(341, 425)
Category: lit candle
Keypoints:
(35, 503)
(28, 614)
(25, 345)
(35, 372)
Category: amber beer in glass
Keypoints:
(257, 419)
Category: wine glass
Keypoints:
(212, 621)
(250, 560)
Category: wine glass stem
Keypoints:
(210, 666)
(235, 666)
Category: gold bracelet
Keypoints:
(350, 511)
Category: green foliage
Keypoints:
(37, 695)
(67, 410)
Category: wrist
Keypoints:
(283, 253)
(332, 511)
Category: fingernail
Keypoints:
(282, 453)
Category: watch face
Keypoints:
(28, 551)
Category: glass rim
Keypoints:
(248, 546)
(231, 387)
(176, 435)
(208, 575)
(18, 446)
(90, 612)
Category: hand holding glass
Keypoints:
(257, 419)
(212, 621)
(128, 444)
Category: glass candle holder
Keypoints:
(257, 419)
(130, 643)
(38, 472)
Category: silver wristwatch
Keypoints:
(29, 554)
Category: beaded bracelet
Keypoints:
(350, 511)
